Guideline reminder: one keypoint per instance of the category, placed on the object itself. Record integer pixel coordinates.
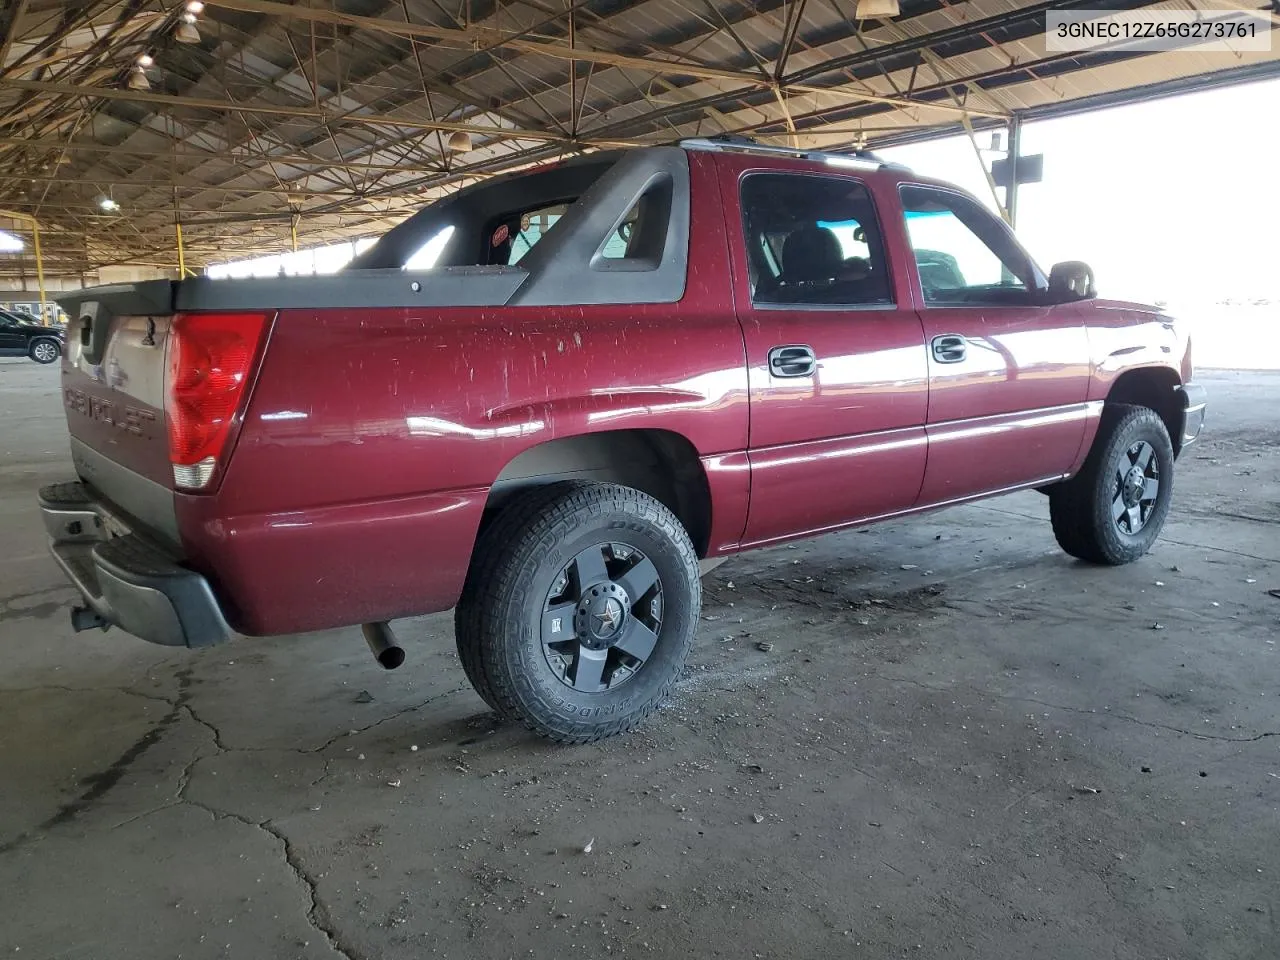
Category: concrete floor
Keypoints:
(961, 743)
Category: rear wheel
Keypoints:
(45, 351)
(1112, 511)
(579, 610)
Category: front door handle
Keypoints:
(949, 348)
(792, 361)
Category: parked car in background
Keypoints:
(614, 368)
(24, 336)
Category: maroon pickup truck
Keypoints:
(545, 399)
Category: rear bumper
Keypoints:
(1194, 398)
(124, 578)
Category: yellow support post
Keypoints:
(35, 236)
(35, 232)
(177, 230)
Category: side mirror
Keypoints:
(1071, 280)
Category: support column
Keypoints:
(177, 231)
(1011, 191)
(35, 236)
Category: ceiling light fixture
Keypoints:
(145, 60)
(186, 31)
(108, 205)
(195, 6)
(875, 9)
(459, 141)
(138, 79)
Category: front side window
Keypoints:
(813, 240)
(963, 253)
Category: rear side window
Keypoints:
(623, 239)
(813, 240)
(638, 241)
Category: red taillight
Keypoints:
(209, 359)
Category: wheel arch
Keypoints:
(1156, 388)
(661, 463)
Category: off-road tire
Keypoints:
(530, 504)
(517, 560)
(1081, 508)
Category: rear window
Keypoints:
(533, 225)
(517, 233)
(495, 223)
(426, 256)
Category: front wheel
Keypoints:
(45, 351)
(579, 610)
(1112, 511)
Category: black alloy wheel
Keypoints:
(1137, 488)
(602, 616)
(1112, 510)
(579, 609)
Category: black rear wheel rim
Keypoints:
(602, 617)
(1135, 488)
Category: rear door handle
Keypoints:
(949, 348)
(792, 361)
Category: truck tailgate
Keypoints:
(113, 383)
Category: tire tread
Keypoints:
(535, 521)
(1074, 508)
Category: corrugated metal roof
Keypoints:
(337, 119)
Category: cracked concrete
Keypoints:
(910, 769)
(1093, 712)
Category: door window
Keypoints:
(963, 253)
(813, 240)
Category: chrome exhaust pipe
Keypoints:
(382, 644)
